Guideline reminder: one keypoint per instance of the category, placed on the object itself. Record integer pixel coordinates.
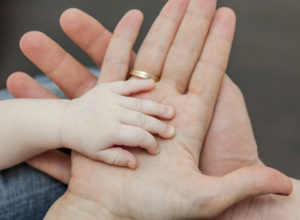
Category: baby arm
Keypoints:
(92, 125)
(28, 127)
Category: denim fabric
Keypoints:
(26, 193)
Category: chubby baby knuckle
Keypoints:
(114, 84)
(164, 127)
(138, 104)
(155, 107)
(143, 120)
(126, 85)
(141, 137)
(162, 109)
(112, 129)
(100, 89)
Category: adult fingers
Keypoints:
(54, 163)
(71, 76)
(131, 136)
(148, 123)
(188, 43)
(118, 54)
(210, 70)
(22, 85)
(116, 156)
(153, 51)
(86, 32)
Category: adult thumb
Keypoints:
(249, 182)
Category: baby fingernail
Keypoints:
(169, 110)
(131, 164)
(171, 131)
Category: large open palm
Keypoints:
(170, 185)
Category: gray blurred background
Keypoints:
(264, 61)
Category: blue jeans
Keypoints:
(26, 193)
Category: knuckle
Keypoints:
(138, 105)
(111, 131)
(127, 85)
(117, 85)
(153, 106)
(143, 120)
(164, 127)
(142, 137)
(156, 123)
(162, 109)
(133, 82)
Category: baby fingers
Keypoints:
(132, 86)
(131, 136)
(148, 123)
(147, 107)
(117, 156)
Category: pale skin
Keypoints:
(93, 124)
(222, 140)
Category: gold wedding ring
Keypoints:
(143, 75)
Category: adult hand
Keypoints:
(86, 78)
(191, 193)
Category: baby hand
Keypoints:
(104, 119)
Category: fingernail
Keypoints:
(169, 111)
(172, 131)
(131, 165)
